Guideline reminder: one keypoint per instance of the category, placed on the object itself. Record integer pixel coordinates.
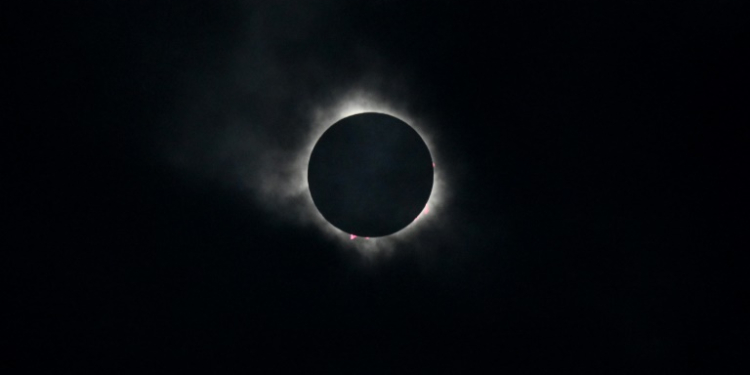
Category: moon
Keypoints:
(370, 174)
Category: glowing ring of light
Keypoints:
(351, 104)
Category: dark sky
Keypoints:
(586, 223)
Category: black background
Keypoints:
(592, 213)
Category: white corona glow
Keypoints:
(322, 118)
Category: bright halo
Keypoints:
(350, 104)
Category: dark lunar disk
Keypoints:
(370, 174)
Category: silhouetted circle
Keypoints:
(370, 174)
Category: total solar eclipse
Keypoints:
(370, 174)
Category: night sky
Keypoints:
(585, 223)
